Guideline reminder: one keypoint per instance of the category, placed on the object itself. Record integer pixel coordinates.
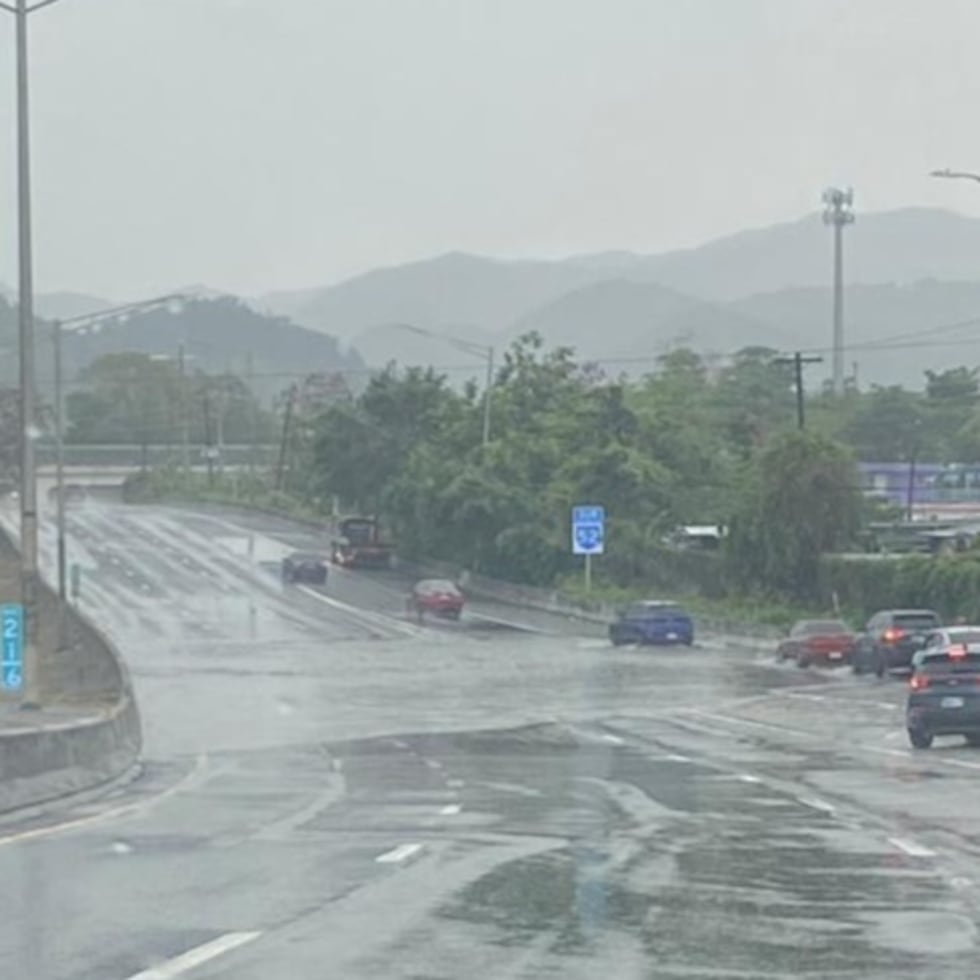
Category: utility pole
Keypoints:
(185, 422)
(486, 398)
(252, 410)
(59, 450)
(207, 436)
(798, 360)
(286, 425)
(30, 697)
(838, 213)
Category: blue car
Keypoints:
(652, 622)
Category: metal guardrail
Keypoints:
(554, 601)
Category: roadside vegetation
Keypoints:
(692, 443)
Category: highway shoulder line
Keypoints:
(401, 853)
(198, 956)
(911, 847)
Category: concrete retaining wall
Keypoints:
(89, 730)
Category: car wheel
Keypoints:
(920, 738)
(857, 665)
(802, 661)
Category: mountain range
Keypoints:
(912, 303)
(911, 271)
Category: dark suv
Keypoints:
(891, 639)
(944, 694)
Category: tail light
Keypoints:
(892, 634)
(918, 682)
(957, 651)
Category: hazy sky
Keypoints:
(264, 144)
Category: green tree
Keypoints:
(799, 499)
(755, 397)
(890, 424)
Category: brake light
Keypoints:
(918, 682)
(957, 651)
(892, 634)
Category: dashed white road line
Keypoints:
(816, 804)
(433, 763)
(451, 810)
(198, 956)
(613, 739)
(455, 783)
(401, 853)
(911, 847)
(747, 777)
(677, 757)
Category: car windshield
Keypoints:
(819, 627)
(967, 636)
(944, 663)
(442, 445)
(915, 620)
(653, 609)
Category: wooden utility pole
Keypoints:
(798, 360)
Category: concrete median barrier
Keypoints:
(88, 732)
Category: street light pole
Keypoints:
(955, 174)
(486, 352)
(487, 394)
(59, 450)
(30, 697)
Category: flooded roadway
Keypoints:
(332, 790)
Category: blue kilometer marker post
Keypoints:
(12, 661)
(588, 535)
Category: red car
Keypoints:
(437, 596)
(811, 641)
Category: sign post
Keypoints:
(12, 653)
(588, 535)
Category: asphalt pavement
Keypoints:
(333, 790)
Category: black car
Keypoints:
(891, 639)
(944, 694)
(303, 566)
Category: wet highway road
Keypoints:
(332, 790)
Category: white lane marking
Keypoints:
(747, 777)
(911, 847)
(433, 764)
(676, 757)
(141, 806)
(399, 854)
(399, 744)
(455, 783)
(613, 739)
(196, 957)
(805, 697)
(732, 720)
(891, 736)
(960, 763)
(366, 616)
(451, 809)
(496, 620)
(814, 804)
(903, 753)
